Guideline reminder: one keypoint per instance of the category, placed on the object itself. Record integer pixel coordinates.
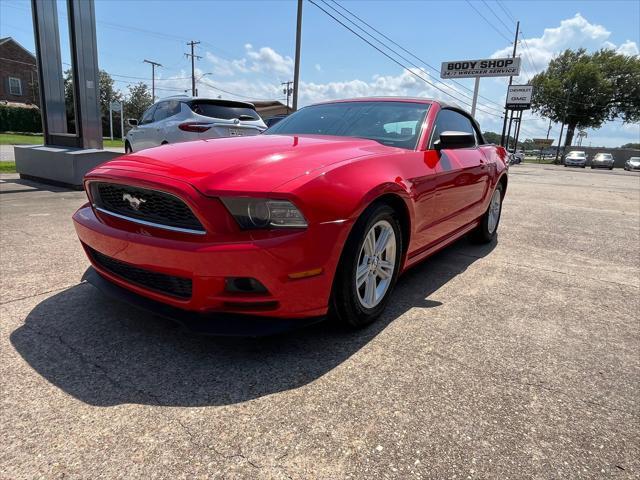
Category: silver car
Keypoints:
(180, 119)
(575, 159)
(632, 164)
(602, 160)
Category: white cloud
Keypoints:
(264, 60)
(318, 67)
(628, 48)
(575, 32)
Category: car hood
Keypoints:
(252, 164)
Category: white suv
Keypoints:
(180, 119)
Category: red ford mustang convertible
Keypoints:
(320, 214)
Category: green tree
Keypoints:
(108, 94)
(631, 145)
(585, 90)
(493, 137)
(139, 99)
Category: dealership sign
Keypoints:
(543, 142)
(519, 97)
(491, 67)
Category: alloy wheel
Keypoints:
(376, 264)
(494, 211)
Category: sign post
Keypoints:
(518, 99)
(489, 67)
(122, 121)
(114, 106)
(542, 143)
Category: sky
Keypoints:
(247, 47)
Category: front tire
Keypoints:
(127, 147)
(368, 267)
(488, 228)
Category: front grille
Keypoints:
(169, 285)
(150, 206)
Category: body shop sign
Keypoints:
(492, 67)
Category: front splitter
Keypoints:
(217, 324)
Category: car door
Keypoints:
(140, 136)
(460, 180)
(157, 130)
(169, 130)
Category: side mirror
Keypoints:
(132, 122)
(452, 139)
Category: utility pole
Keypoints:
(515, 147)
(153, 77)
(564, 119)
(193, 66)
(287, 90)
(296, 71)
(506, 112)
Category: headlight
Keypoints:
(253, 213)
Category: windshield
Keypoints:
(604, 156)
(396, 124)
(577, 154)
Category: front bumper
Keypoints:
(631, 166)
(575, 163)
(602, 164)
(269, 259)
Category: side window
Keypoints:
(162, 112)
(173, 108)
(450, 120)
(147, 117)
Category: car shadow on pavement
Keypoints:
(106, 353)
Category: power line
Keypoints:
(395, 60)
(498, 17)
(489, 23)
(506, 10)
(406, 51)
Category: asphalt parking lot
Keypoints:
(519, 359)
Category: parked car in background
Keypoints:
(180, 119)
(319, 214)
(575, 158)
(632, 164)
(273, 120)
(602, 160)
(516, 157)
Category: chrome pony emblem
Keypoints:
(133, 201)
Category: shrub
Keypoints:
(18, 119)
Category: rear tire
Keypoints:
(368, 268)
(488, 228)
(127, 147)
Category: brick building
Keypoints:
(18, 74)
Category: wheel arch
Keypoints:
(503, 180)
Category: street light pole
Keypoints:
(296, 71)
